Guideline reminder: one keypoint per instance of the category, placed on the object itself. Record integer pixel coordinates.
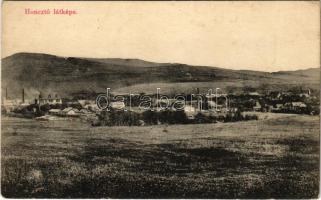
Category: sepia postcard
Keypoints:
(160, 99)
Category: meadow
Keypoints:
(276, 156)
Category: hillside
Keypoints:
(65, 76)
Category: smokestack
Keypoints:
(6, 93)
(23, 95)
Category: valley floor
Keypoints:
(274, 157)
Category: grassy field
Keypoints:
(276, 156)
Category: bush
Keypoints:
(238, 116)
(201, 118)
(230, 118)
(150, 117)
(250, 117)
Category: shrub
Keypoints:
(238, 116)
(201, 118)
(150, 117)
(251, 117)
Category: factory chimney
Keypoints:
(23, 95)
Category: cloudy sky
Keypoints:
(265, 36)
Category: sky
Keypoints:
(264, 36)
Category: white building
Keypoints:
(50, 100)
(70, 111)
(117, 105)
(190, 111)
(54, 111)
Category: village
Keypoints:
(200, 108)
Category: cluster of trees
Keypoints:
(229, 117)
(164, 117)
(309, 110)
(118, 118)
(127, 118)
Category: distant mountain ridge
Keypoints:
(127, 62)
(66, 75)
